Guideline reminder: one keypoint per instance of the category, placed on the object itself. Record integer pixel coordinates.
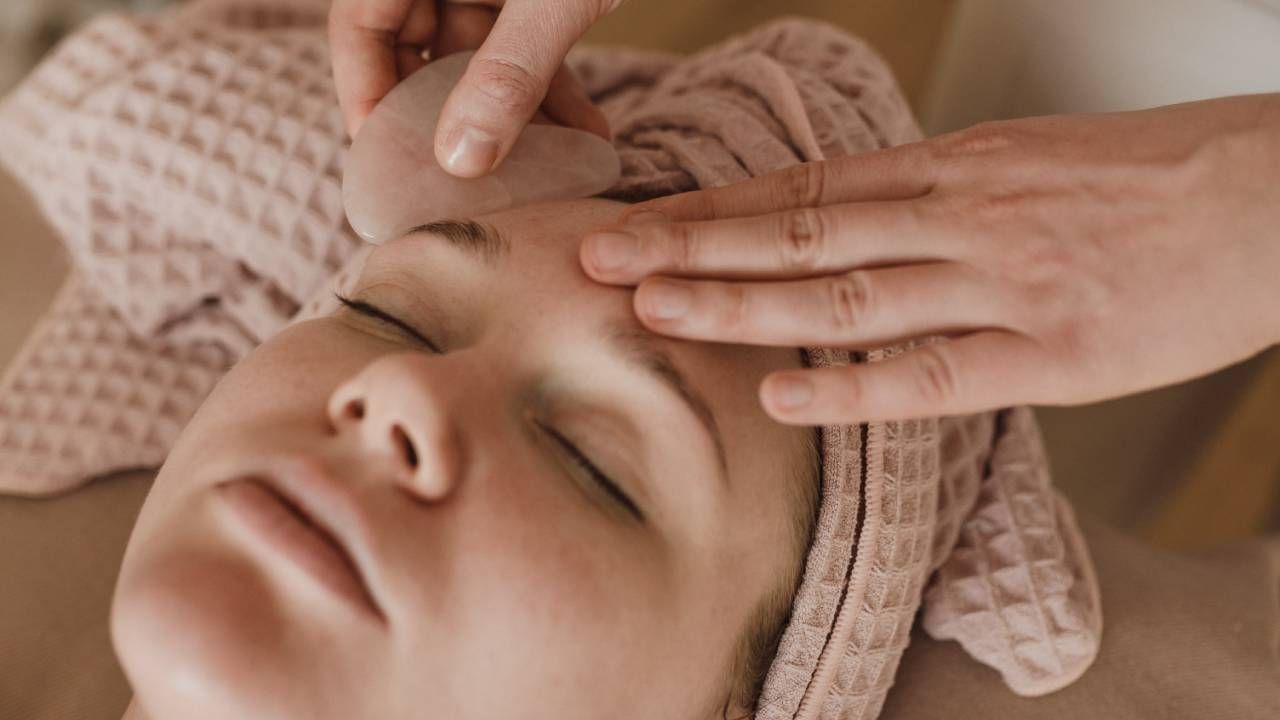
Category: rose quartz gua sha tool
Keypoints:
(393, 184)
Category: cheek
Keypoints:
(291, 376)
(276, 395)
(539, 596)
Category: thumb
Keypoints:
(507, 79)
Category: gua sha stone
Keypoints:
(393, 183)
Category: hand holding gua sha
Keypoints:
(392, 182)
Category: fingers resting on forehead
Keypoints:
(791, 243)
(856, 309)
(858, 253)
(975, 372)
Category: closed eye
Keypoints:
(372, 311)
(605, 483)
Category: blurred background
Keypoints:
(1186, 466)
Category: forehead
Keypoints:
(544, 233)
(544, 240)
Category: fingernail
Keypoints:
(471, 152)
(667, 300)
(613, 250)
(792, 393)
(642, 217)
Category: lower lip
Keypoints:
(265, 515)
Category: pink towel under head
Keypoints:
(191, 163)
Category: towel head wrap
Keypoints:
(191, 163)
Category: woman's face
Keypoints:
(473, 562)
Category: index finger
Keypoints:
(898, 173)
(363, 38)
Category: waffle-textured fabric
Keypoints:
(191, 162)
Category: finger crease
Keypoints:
(850, 298)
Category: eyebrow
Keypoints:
(641, 348)
(479, 239)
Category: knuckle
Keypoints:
(926, 213)
(985, 138)
(682, 246)
(1029, 305)
(1072, 333)
(1074, 327)
(508, 84)
(1044, 261)
(803, 185)
(935, 375)
(999, 206)
(1031, 252)
(802, 239)
(849, 300)
(735, 310)
(993, 207)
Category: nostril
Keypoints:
(354, 410)
(402, 441)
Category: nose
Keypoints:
(399, 416)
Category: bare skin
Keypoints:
(1065, 259)
(503, 579)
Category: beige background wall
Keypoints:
(1010, 58)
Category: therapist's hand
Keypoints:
(1062, 260)
(519, 66)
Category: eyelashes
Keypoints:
(576, 456)
(602, 480)
(374, 312)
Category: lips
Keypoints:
(306, 517)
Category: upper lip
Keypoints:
(333, 507)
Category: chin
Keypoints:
(198, 636)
